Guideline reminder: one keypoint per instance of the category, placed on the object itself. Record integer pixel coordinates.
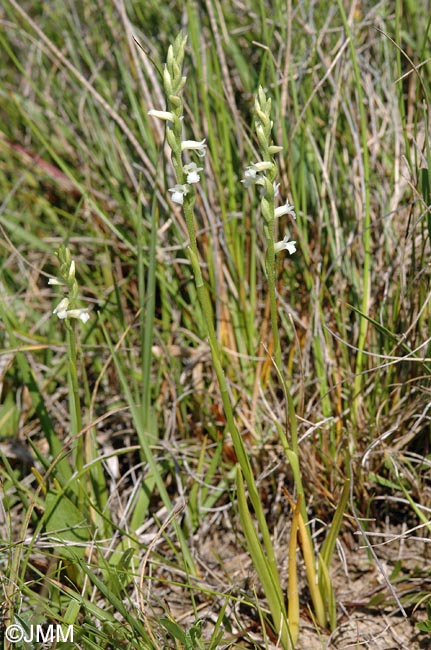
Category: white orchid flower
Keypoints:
(179, 192)
(285, 245)
(192, 171)
(287, 208)
(194, 145)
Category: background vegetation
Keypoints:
(127, 526)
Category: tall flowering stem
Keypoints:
(263, 174)
(183, 193)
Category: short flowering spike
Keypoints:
(285, 245)
(285, 209)
(187, 175)
(264, 173)
(192, 171)
(194, 145)
(179, 192)
(68, 281)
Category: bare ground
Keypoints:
(367, 613)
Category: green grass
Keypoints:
(120, 512)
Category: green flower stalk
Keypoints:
(263, 174)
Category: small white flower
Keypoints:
(252, 177)
(194, 145)
(63, 312)
(179, 192)
(82, 314)
(192, 171)
(276, 188)
(162, 115)
(287, 208)
(56, 282)
(252, 173)
(61, 309)
(285, 245)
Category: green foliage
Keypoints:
(115, 437)
(425, 626)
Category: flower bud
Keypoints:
(273, 149)
(266, 210)
(167, 81)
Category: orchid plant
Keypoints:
(183, 194)
(261, 174)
